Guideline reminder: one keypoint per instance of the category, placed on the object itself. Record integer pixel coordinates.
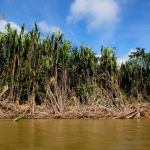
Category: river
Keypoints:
(51, 134)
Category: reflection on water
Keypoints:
(75, 134)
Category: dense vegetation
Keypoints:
(50, 70)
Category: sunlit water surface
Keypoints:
(42, 134)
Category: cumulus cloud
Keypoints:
(122, 59)
(3, 24)
(44, 27)
(96, 13)
(99, 55)
(47, 28)
(125, 58)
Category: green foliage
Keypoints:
(90, 89)
(81, 93)
(27, 63)
(19, 117)
(45, 63)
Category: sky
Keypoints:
(123, 24)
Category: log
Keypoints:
(124, 115)
(131, 115)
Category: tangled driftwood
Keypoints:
(75, 110)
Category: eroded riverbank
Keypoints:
(136, 110)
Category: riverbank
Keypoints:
(51, 78)
(129, 111)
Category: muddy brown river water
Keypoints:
(50, 134)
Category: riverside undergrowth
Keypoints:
(51, 75)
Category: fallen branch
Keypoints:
(124, 115)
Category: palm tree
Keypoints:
(63, 64)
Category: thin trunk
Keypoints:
(12, 98)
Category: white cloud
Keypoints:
(96, 13)
(46, 28)
(122, 59)
(98, 55)
(125, 58)
(3, 23)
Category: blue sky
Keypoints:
(124, 24)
